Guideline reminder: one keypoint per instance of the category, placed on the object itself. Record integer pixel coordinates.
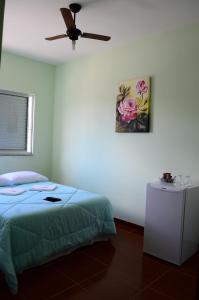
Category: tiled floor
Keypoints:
(115, 270)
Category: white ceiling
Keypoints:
(28, 22)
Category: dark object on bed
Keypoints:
(52, 199)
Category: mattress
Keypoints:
(32, 230)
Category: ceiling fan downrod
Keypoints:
(75, 8)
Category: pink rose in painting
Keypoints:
(128, 110)
(141, 87)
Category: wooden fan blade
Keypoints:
(56, 37)
(68, 18)
(96, 36)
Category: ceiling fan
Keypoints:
(72, 32)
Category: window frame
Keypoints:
(29, 128)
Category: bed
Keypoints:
(33, 230)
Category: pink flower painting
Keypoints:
(141, 88)
(128, 110)
(132, 112)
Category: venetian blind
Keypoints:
(13, 122)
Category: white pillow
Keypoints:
(4, 181)
(22, 177)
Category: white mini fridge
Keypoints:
(171, 229)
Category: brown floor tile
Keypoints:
(79, 266)
(177, 285)
(116, 270)
(108, 286)
(129, 227)
(74, 293)
(125, 241)
(102, 251)
(137, 270)
(191, 266)
(149, 294)
(43, 282)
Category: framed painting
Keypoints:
(133, 105)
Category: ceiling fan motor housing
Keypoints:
(74, 34)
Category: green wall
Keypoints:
(84, 149)
(28, 76)
(88, 153)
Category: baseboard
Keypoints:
(131, 225)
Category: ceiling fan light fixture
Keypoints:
(74, 34)
(73, 44)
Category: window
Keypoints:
(16, 123)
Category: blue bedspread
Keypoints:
(32, 229)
